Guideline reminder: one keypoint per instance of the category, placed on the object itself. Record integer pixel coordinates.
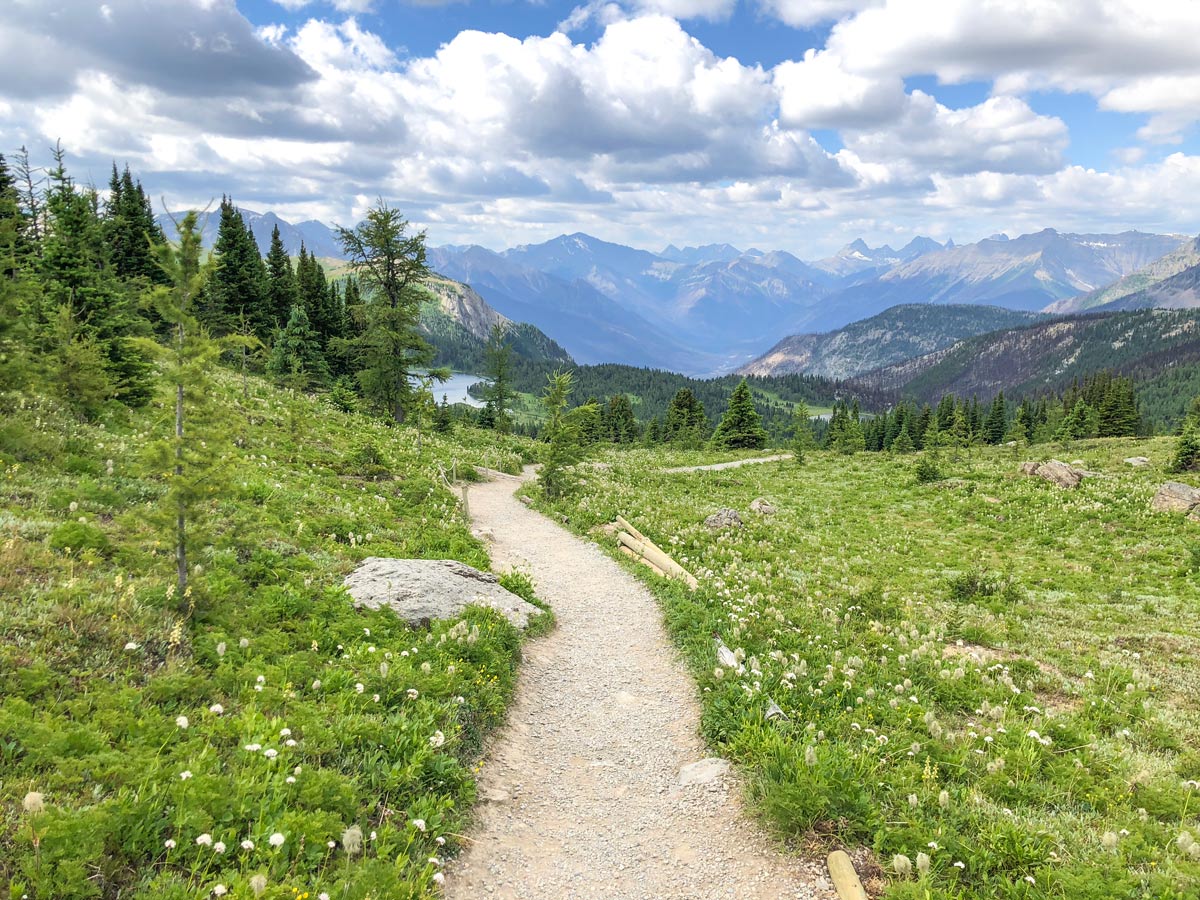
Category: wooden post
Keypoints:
(643, 561)
(660, 559)
(844, 878)
(466, 505)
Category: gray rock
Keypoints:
(1055, 471)
(762, 506)
(1137, 461)
(419, 590)
(706, 771)
(724, 518)
(1175, 497)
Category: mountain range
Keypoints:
(318, 238)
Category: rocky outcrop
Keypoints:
(420, 590)
(723, 518)
(1137, 461)
(1176, 497)
(1056, 472)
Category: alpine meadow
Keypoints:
(680, 449)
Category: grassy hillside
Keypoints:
(153, 745)
(990, 684)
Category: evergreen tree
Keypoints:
(618, 420)
(686, 422)
(130, 230)
(239, 282)
(591, 422)
(296, 358)
(192, 452)
(904, 442)
(1024, 422)
(282, 290)
(741, 426)
(1187, 450)
(499, 393)
(803, 439)
(390, 264)
(996, 424)
(561, 432)
(76, 274)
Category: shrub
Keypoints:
(927, 471)
(79, 536)
(979, 584)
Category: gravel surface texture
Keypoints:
(581, 793)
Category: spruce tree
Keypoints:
(239, 282)
(296, 359)
(741, 426)
(686, 422)
(561, 433)
(619, 423)
(282, 290)
(996, 423)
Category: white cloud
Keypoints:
(805, 13)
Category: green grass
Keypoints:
(133, 723)
(987, 670)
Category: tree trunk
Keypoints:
(180, 510)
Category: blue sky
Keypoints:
(791, 124)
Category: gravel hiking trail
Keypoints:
(580, 794)
(717, 467)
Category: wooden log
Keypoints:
(844, 878)
(622, 522)
(660, 559)
(642, 560)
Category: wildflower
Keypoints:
(352, 840)
(132, 645)
(316, 685)
(290, 742)
(959, 864)
(285, 732)
(418, 824)
(220, 890)
(253, 748)
(219, 847)
(181, 721)
(1109, 840)
(437, 739)
(913, 801)
(359, 687)
(216, 709)
(413, 693)
(33, 803)
(440, 841)
(944, 799)
(185, 775)
(290, 780)
(244, 643)
(247, 844)
(439, 878)
(426, 668)
(205, 840)
(322, 896)
(1031, 879)
(258, 884)
(902, 864)
(718, 673)
(270, 753)
(375, 698)
(276, 839)
(221, 649)
(923, 864)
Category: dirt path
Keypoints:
(580, 795)
(717, 467)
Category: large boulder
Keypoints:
(1056, 472)
(724, 518)
(419, 590)
(1137, 461)
(1176, 497)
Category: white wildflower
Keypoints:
(437, 739)
(181, 721)
(352, 840)
(258, 884)
(205, 840)
(418, 824)
(902, 864)
(247, 844)
(276, 839)
(923, 864)
(33, 803)
(185, 775)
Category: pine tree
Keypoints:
(76, 274)
(390, 263)
(296, 358)
(239, 282)
(741, 426)
(618, 420)
(686, 422)
(1187, 450)
(997, 421)
(904, 442)
(803, 439)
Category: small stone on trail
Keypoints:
(706, 771)
(724, 518)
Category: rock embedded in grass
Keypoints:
(420, 590)
(1176, 497)
(1137, 461)
(723, 518)
(762, 506)
(1056, 472)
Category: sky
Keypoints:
(779, 124)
